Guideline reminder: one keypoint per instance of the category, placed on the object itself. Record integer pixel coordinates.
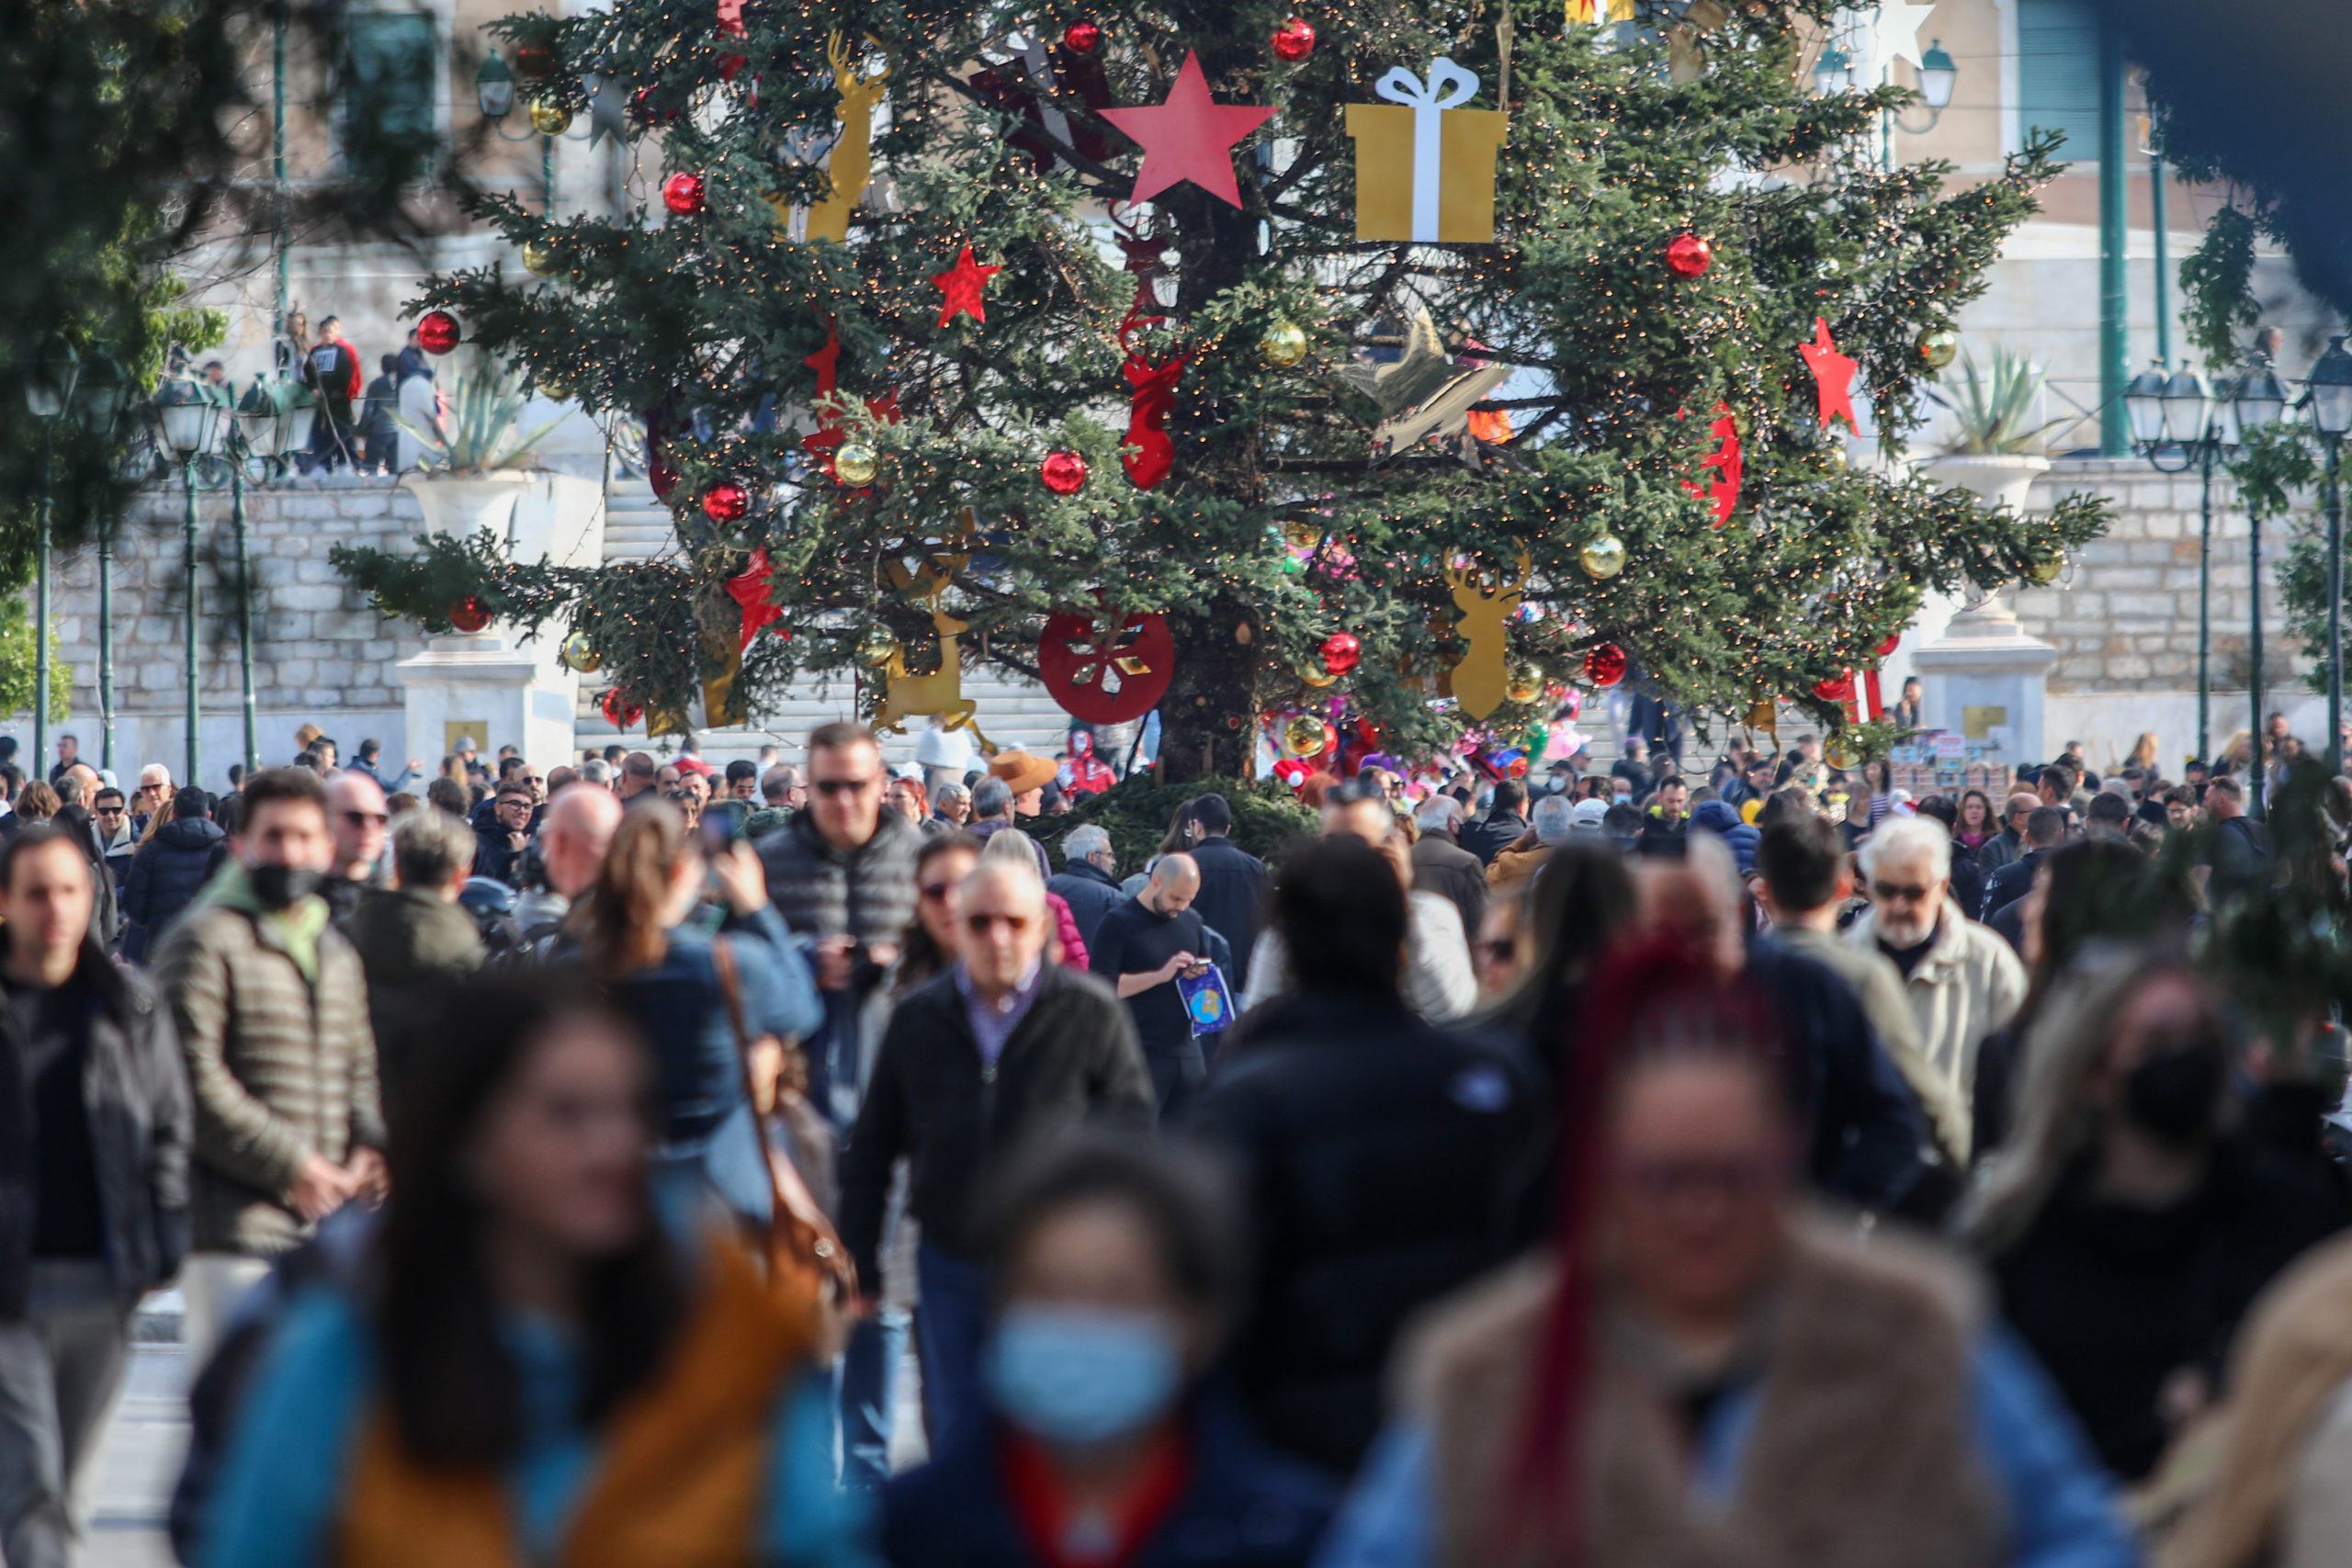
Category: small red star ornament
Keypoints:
(1833, 375)
(962, 284)
(1190, 136)
(751, 591)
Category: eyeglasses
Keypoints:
(1911, 893)
(981, 923)
(362, 818)
(845, 786)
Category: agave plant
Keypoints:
(1992, 410)
(477, 433)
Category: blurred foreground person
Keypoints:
(1116, 1281)
(528, 1369)
(2127, 1226)
(1715, 1377)
(1382, 1159)
(95, 1124)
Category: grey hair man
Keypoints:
(413, 938)
(1961, 980)
(1088, 882)
(1442, 866)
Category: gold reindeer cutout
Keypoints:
(903, 694)
(1480, 681)
(852, 163)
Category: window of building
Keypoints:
(2058, 74)
(391, 87)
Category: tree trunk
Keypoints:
(1208, 720)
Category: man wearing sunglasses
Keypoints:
(842, 872)
(111, 815)
(357, 820)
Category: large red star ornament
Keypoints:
(751, 591)
(962, 284)
(1188, 137)
(1833, 376)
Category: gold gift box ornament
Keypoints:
(1425, 168)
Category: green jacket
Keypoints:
(411, 943)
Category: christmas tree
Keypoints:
(1452, 352)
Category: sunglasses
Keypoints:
(110, 811)
(1896, 890)
(845, 786)
(362, 818)
(980, 924)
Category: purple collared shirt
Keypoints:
(994, 1023)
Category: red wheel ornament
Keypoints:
(725, 502)
(1106, 670)
(470, 614)
(1082, 37)
(1688, 256)
(1294, 40)
(682, 194)
(1340, 651)
(1604, 665)
(437, 331)
(621, 710)
(1063, 472)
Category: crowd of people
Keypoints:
(557, 1164)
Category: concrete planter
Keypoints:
(463, 506)
(2001, 478)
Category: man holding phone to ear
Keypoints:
(842, 872)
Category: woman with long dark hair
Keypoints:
(529, 1369)
(647, 940)
(1697, 1372)
(1976, 823)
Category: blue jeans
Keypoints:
(869, 1385)
(951, 1324)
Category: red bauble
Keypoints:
(1882, 649)
(437, 331)
(621, 710)
(1295, 39)
(1838, 689)
(1340, 651)
(470, 614)
(1082, 37)
(1688, 256)
(1605, 664)
(534, 61)
(725, 501)
(682, 194)
(1104, 669)
(1064, 472)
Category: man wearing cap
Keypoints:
(1586, 817)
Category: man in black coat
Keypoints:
(95, 1124)
(1232, 900)
(1002, 1049)
(499, 844)
(1382, 1158)
(169, 871)
(1088, 882)
(1504, 823)
(2045, 831)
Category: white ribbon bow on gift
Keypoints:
(1449, 86)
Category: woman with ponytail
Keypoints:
(652, 940)
(1699, 1371)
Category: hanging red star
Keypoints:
(751, 591)
(1833, 375)
(962, 284)
(1189, 135)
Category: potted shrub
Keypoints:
(1997, 449)
(475, 462)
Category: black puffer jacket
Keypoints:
(166, 875)
(1385, 1161)
(868, 892)
(141, 1123)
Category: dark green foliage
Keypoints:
(1267, 817)
(706, 321)
(2278, 473)
(2284, 952)
(2217, 279)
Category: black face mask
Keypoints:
(2171, 1097)
(280, 885)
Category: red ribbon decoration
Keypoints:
(1149, 454)
(749, 589)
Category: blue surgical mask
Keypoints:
(1079, 1376)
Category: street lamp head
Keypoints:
(1937, 75)
(2187, 404)
(2143, 404)
(51, 380)
(495, 88)
(2329, 390)
(2261, 397)
(189, 416)
(2225, 413)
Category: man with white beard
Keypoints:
(1960, 978)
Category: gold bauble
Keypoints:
(1602, 558)
(1937, 347)
(580, 655)
(549, 119)
(1283, 345)
(2045, 572)
(877, 646)
(1839, 753)
(1302, 535)
(1303, 736)
(856, 464)
(538, 257)
(1316, 675)
(1526, 684)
